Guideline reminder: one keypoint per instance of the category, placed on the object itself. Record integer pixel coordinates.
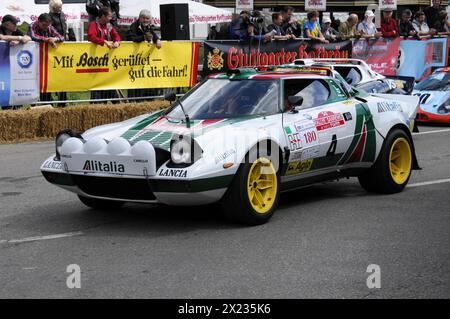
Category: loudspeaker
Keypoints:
(174, 21)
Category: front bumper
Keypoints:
(426, 117)
(141, 190)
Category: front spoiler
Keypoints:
(171, 192)
(426, 117)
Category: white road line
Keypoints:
(439, 181)
(432, 132)
(39, 238)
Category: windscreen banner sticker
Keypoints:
(327, 119)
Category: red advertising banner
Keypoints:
(382, 54)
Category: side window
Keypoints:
(351, 74)
(313, 92)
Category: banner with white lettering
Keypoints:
(244, 4)
(320, 5)
(388, 4)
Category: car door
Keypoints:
(320, 130)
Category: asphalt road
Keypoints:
(318, 244)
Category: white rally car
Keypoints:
(360, 75)
(241, 139)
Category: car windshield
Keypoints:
(435, 82)
(223, 98)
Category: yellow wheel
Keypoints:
(392, 169)
(262, 185)
(253, 195)
(400, 161)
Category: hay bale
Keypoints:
(42, 123)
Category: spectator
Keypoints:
(290, 24)
(312, 29)
(276, 30)
(432, 13)
(443, 25)
(212, 35)
(347, 29)
(43, 31)
(59, 20)
(93, 9)
(421, 26)
(141, 30)
(405, 26)
(253, 33)
(367, 28)
(238, 27)
(388, 25)
(330, 34)
(10, 33)
(101, 32)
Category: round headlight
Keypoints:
(181, 151)
(60, 139)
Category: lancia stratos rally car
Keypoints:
(240, 139)
(360, 75)
(434, 93)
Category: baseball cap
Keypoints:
(326, 20)
(369, 13)
(9, 18)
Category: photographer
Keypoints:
(93, 9)
(238, 27)
(141, 30)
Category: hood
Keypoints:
(159, 129)
(431, 100)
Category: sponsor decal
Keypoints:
(304, 124)
(24, 59)
(348, 116)
(168, 172)
(299, 167)
(215, 60)
(224, 155)
(327, 119)
(307, 153)
(108, 167)
(388, 107)
(307, 116)
(53, 165)
(295, 142)
(288, 130)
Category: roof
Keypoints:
(275, 72)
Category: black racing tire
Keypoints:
(391, 172)
(237, 206)
(100, 204)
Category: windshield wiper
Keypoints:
(172, 97)
(186, 116)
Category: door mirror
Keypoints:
(295, 100)
(171, 97)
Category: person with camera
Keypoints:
(93, 9)
(141, 30)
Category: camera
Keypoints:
(255, 17)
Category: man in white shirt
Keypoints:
(421, 26)
(367, 28)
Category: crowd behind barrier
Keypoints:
(357, 37)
